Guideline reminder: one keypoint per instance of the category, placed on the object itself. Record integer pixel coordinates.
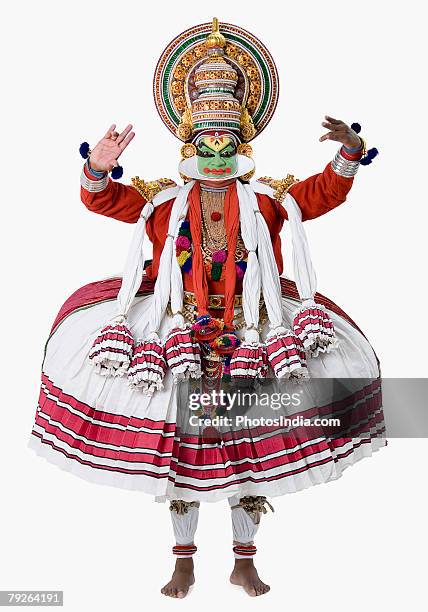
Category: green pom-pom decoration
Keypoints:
(216, 269)
(185, 232)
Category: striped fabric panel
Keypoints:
(134, 446)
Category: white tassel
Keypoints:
(315, 329)
(134, 266)
(251, 286)
(112, 349)
(149, 365)
(163, 286)
(312, 325)
(283, 351)
(285, 354)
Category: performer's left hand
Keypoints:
(340, 132)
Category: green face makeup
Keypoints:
(217, 157)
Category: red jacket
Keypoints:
(316, 195)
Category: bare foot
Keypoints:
(182, 578)
(245, 575)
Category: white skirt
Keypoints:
(102, 430)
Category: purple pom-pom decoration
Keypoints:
(219, 256)
(239, 272)
(356, 127)
(185, 225)
(117, 172)
(84, 150)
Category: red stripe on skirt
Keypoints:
(104, 453)
(95, 465)
(231, 449)
(105, 435)
(280, 476)
(107, 417)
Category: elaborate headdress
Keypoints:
(216, 77)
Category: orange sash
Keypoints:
(199, 278)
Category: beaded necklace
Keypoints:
(214, 239)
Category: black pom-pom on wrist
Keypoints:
(117, 172)
(369, 157)
(84, 150)
(371, 153)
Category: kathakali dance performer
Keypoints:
(210, 304)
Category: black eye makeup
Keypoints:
(202, 153)
(228, 152)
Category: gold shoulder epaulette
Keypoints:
(281, 186)
(151, 188)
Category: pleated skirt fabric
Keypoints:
(102, 430)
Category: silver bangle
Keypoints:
(93, 186)
(344, 167)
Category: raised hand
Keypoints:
(105, 154)
(341, 132)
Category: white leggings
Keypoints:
(244, 526)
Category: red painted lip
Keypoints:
(217, 171)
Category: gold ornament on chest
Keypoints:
(214, 237)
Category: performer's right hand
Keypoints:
(105, 154)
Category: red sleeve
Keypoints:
(319, 193)
(121, 202)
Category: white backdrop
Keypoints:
(69, 71)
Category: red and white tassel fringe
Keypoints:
(183, 353)
(148, 366)
(286, 354)
(314, 328)
(112, 350)
(249, 360)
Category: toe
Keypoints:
(181, 594)
(262, 588)
(251, 590)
